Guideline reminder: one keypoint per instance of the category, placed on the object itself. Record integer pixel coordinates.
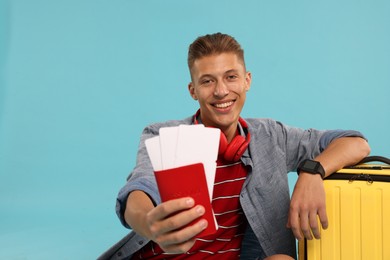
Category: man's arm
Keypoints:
(308, 199)
(164, 223)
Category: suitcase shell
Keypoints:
(358, 209)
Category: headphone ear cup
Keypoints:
(223, 144)
(235, 149)
(241, 150)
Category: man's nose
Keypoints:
(221, 89)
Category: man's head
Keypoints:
(219, 80)
(211, 44)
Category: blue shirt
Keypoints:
(275, 149)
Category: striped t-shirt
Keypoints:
(226, 242)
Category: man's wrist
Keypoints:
(311, 167)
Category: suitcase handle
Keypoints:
(375, 159)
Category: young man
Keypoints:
(251, 199)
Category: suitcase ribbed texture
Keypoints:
(358, 208)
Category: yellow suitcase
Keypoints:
(358, 208)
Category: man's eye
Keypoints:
(232, 77)
(206, 81)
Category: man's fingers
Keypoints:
(169, 223)
(167, 208)
(305, 227)
(313, 220)
(181, 236)
(294, 223)
(178, 248)
(323, 218)
(307, 205)
(181, 219)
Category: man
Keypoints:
(257, 221)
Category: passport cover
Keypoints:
(188, 181)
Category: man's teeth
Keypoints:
(223, 105)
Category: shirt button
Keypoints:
(140, 243)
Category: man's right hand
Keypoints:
(165, 224)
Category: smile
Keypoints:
(224, 105)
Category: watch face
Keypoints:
(310, 164)
(312, 167)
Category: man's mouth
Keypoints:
(223, 105)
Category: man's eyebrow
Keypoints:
(226, 72)
(231, 71)
(205, 76)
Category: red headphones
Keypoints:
(232, 151)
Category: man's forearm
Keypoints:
(342, 152)
(308, 199)
(137, 206)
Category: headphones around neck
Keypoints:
(232, 151)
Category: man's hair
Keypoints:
(211, 44)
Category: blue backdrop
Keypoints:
(79, 79)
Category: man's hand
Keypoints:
(168, 230)
(308, 199)
(307, 202)
(165, 224)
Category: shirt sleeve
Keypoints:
(329, 136)
(301, 144)
(141, 178)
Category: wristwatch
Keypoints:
(312, 167)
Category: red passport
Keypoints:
(188, 181)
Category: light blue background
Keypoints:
(79, 79)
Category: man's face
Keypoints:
(219, 83)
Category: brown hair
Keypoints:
(210, 44)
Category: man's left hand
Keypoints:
(307, 202)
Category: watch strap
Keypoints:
(311, 166)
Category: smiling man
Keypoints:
(219, 83)
(256, 218)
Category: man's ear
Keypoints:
(191, 89)
(248, 80)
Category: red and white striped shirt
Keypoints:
(226, 242)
